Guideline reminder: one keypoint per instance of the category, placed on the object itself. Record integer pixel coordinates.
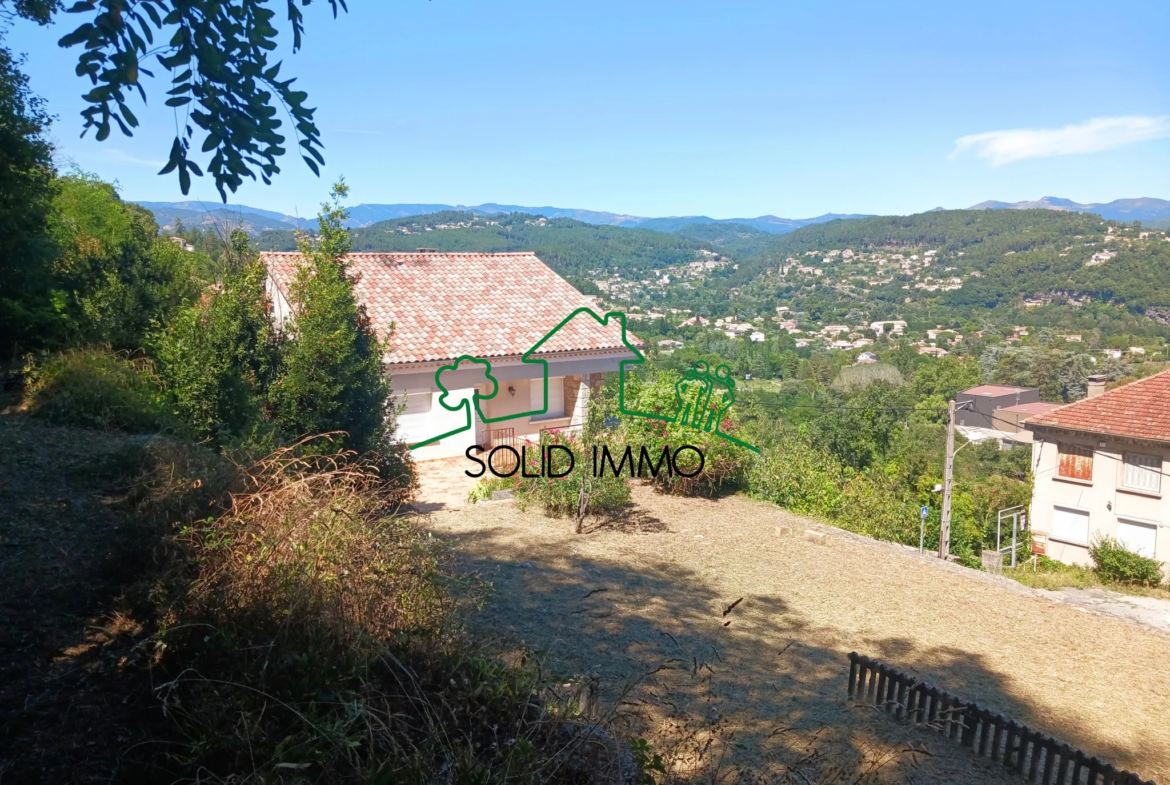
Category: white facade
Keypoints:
(1088, 485)
(520, 389)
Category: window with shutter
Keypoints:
(1076, 462)
(416, 403)
(1070, 525)
(1142, 472)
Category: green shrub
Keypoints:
(1118, 565)
(484, 488)
(1053, 575)
(578, 493)
(799, 477)
(724, 463)
(868, 507)
(97, 388)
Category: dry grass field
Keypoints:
(643, 603)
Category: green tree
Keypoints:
(944, 377)
(113, 277)
(217, 357)
(331, 376)
(861, 431)
(223, 87)
(26, 180)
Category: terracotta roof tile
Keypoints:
(1140, 410)
(438, 306)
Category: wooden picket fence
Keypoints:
(1017, 747)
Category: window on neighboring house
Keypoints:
(1142, 472)
(1070, 525)
(1076, 462)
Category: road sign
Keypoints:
(925, 512)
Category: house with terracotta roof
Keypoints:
(1100, 467)
(432, 308)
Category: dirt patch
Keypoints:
(63, 557)
(443, 484)
(653, 604)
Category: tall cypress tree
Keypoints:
(218, 356)
(331, 376)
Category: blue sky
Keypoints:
(728, 109)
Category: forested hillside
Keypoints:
(956, 264)
(572, 248)
(734, 238)
(979, 234)
(979, 259)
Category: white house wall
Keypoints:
(1104, 498)
(512, 373)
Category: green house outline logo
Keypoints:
(692, 416)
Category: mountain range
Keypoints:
(1154, 212)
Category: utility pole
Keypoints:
(944, 532)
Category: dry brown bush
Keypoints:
(317, 643)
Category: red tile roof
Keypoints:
(995, 389)
(1140, 410)
(438, 306)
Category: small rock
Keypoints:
(784, 531)
(815, 536)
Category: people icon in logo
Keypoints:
(720, 399)
(703, 398)
(692, 392)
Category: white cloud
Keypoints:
(1102, 133)
(114, 154)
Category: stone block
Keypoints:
(993, 562)
(813, 535)
(504, 495)
(784, 531)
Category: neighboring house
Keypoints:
(1100, 468)
(866, 358)
(669, 345)
(1009, 421)
(435, 307)
(757, 337)
(984, 402)
(179, 241)
(895, 325)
